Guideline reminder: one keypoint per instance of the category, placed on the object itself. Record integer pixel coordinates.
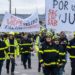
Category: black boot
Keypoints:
(39, 67)
(7, 71)
(29, 67)
(25, 67)
(12, 73)
(0, 73)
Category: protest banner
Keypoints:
(60, 15)
(16, 24)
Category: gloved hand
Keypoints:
(11, 56)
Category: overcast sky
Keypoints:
(23, 6)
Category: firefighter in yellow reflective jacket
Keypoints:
(71, 50)
(3, 50)
(36, 46)
(49, 56)
(13, 51)
(39, 39)
(25, 50)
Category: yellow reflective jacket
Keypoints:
(16, 53)
(36, 46)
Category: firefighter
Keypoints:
(25, 50)
(49, 55)
(13, 51)
(63, 42)
(62, 53)
(37, 44)
(3, 50)
(71, 50)
(39, 39)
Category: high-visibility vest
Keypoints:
(16, 53)
(36, 46)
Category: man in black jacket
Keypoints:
(12, 44)
(49, 56)
(71, 50)
(25, 50)
(63, 42)
(3, 49)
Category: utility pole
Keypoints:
(15, 11)
(10, 6)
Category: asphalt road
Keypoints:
(19, 70)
